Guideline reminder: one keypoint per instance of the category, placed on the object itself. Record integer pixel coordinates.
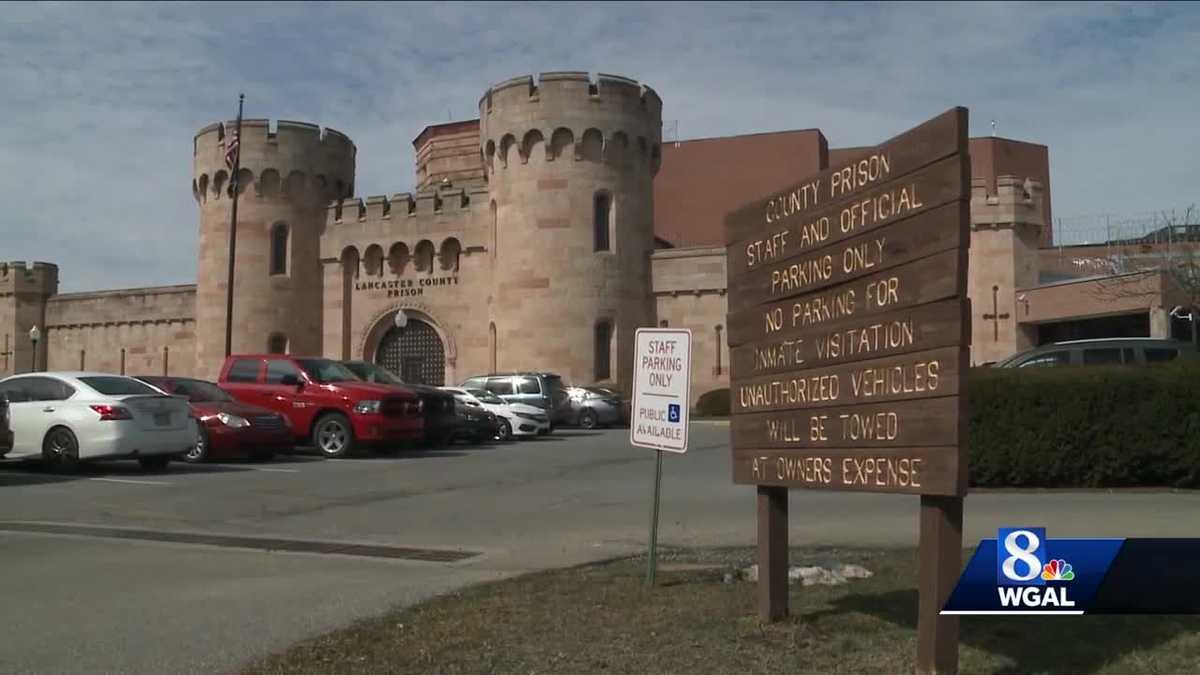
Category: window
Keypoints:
(14, 390)
(600, 220)
(1049, 359)
(277, 369)
(277, 344)
(243, 370)
(279, 248)
(1100, 357)
(48, 389)
(326, 371)
(603, 349)
(663, 323)
(717, 369)
(475, 383)
(118, 386)
(528, 385)
(501, 386)
(1159, 355)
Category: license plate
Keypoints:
(162, 419)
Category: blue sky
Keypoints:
(100, 102)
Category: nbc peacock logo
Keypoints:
(1058, 570)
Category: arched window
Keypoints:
(717, 368)
(448, 254)
(602, 214)
(279, 248)
(603, 350)
(373, 260)
(423, 256)
(492, 347)
(495, 232)
(277, 344)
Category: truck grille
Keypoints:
(400, 407)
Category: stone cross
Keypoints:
(994, 316)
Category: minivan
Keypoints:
(544, 390)
(1101, 352)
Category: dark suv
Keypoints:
(544, 390)
(6, 435)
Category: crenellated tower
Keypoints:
(570, 165)
(289, 174)
(25, 289)
(1006, 229)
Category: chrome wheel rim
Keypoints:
(331, 437)
(196, 453)
(505, 431)
(588, 420)
(61, 445)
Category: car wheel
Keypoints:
(587, 420)
(504, 433)
(333, 435)
(154, 462)
(199, 451)
(60, 450)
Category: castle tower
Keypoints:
(24, 292)
(1006, 228)
(570, 167)
(288, 176)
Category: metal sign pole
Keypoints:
(651, 563)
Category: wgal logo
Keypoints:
(1023, 567)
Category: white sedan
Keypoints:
(65, 418)
(516, 419)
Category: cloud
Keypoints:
(101, 101)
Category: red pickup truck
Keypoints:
(326, 404)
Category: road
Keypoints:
(116, 577)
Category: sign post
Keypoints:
(662, 382)
(849, 334)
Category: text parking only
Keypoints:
(662, 378)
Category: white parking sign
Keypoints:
(662, 379)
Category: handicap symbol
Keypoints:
(673, 412)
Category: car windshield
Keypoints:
(602, 392)
(119, 386)
(372, 372)
(325, 371)
(201, 391)
(486, 396)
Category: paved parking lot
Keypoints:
(202, 567)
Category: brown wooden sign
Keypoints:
(934, 278)
(927, 326)
(928, 470)
(940, 137)
(873, 425)
(875, 251)
(896, 200)
(849, 332)
(927, 374)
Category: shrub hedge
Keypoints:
(1075, 427)
(1084, 427)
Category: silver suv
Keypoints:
(1100, 352)
(544, 390)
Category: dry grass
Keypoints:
(600, 619)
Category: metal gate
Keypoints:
(415, 353)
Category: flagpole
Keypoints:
(233, 184)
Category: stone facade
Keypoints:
(529, 244)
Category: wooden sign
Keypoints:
(849, 345)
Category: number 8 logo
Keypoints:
(1024, 554)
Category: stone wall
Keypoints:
(138, 331)
(689, 290)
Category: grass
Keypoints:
(600, 619)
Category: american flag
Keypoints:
(231, 151)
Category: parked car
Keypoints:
(327, 404)
(1110, 351)
(68, 417)
(226, 427)
(475, 424)
(541, 390)
(6, 436)
(515, 419)
(593, 407)
(437, 405)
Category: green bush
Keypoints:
(1084, 427)
(714, 403)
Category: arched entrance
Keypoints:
(415, 353)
